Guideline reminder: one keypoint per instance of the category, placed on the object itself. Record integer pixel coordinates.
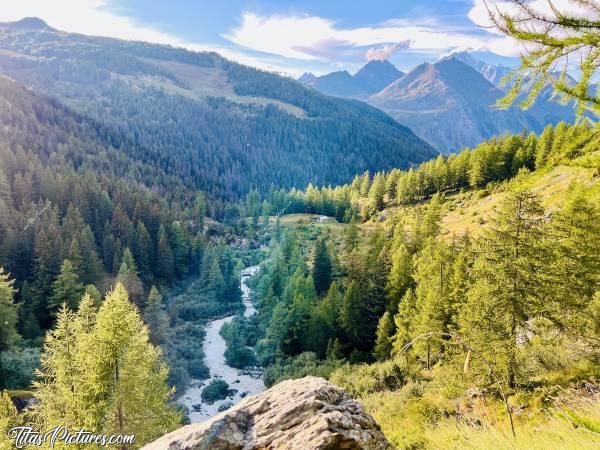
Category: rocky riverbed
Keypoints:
(242, 383)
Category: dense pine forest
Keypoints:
(456, 297)
(75, 222)
(217, 126)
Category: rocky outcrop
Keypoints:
(305, 414)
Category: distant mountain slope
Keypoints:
(546, 109)
(450, 105)
(491, 72)
(377, 74)
(338, 84)
(59, 137)
(371, 78)
(216, 125)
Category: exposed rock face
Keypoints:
(304, 414)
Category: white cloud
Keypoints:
(480, 15)
(506, 46)
(87, 17)
(304, 37)
(387, 51)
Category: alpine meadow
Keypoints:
(402, 253)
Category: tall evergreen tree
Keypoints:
(385, 333)
(156, 318)
(508, 282)
(8, 312)
(321, 267)
(404, 321)
(9, 418)
(66, 289)
(165, 265)
(125, 376)
(128, 276)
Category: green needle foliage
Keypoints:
(554, 40)
(99, 371)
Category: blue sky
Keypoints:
(287, 36)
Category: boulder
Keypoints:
(305, 414)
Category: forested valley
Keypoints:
(456, 297)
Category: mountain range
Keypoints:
(371, 78)
(214, 124)
(451, 104)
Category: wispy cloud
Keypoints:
(387, 51)
(303, 37)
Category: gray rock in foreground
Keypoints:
(309, 413)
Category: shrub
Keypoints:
(216, 390)
(17, 368)
(362, 379)
(304, 364)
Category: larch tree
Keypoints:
(66, 289)
(404, 320)
(9, 418)
(553, 37)
(321, 267)
(125, 376)
(8, 312)
(384, 336)
(575, 247)
(509, 283)
(60, 388)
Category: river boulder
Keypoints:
(306, 414)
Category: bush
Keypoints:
(216, 390)
(238, 335)
(17, 368)
(297, 367)
(363, 379)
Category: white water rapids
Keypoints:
(214, 349)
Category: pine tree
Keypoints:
(9, 418)
(124, 374)
(181, 250)
(352, 315)
(60, 388)
(66, 289)
(8, 312)
(165, 266)
(93, 267)
(156, 318)
(508, 282)
(143, 251)
(128, 276)
(200, 210)
(215, 281)
(404, 320)
(321, 267)
(74, 255)
(385, 333)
